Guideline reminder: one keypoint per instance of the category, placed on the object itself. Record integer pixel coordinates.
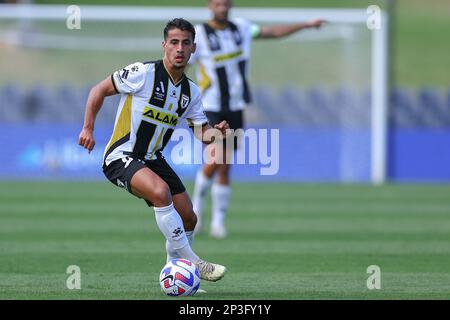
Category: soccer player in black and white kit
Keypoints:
(155, 96)
(222, 55)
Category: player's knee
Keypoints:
(161, 195)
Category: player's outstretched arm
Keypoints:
(280, 31)
(94, 103)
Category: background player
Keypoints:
(223, 52)
(155, 97)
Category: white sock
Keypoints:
(220, 201)
(190, 236)
(171, 226)
(171, 253)
(202, 185)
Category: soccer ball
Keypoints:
(179, 278)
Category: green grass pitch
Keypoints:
(287, 241)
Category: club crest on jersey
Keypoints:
(184, 101)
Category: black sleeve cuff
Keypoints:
(114, 84)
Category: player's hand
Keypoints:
(317, 23)
(223, 127)
(86, 139)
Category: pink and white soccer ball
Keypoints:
(179, 278)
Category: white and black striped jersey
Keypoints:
(150, 107)
(222, 71)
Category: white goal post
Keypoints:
(379, 45)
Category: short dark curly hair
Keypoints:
(179, 23)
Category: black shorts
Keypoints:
(121, 171)
(235, 120)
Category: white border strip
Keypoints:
(140, 13)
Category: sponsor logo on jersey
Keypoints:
(160, 116)
(228, 56)
(125, 74)
(160, 92)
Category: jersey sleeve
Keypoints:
(249, 28)
(129, 79)
(196, 116)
